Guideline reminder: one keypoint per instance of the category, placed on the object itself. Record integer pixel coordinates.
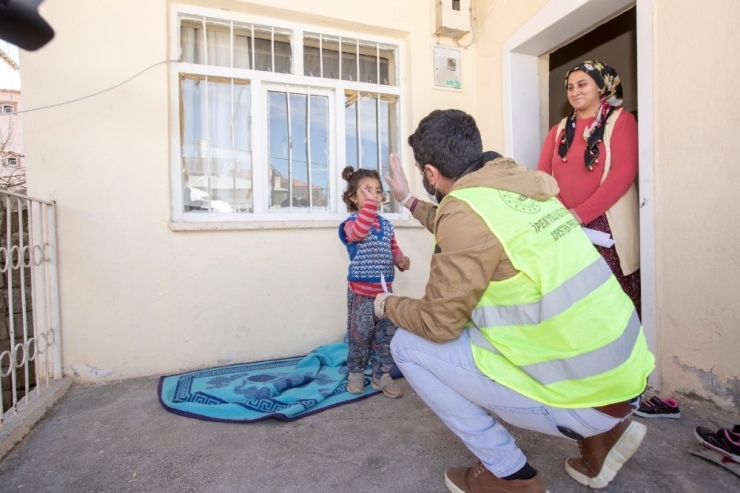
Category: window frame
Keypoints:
(260, 82)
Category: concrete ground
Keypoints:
(118, 438)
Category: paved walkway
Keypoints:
(118, 438)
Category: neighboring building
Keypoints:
(12, 170)
(179, 247)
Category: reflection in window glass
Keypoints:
(278, 149)
(299, 151)
(387, 132)
(368, 132)
(299, 158)
(376, 134)
(242, 148)
(216, 160)
(319, 151)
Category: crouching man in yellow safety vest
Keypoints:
(521, 317)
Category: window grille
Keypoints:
(259, 133)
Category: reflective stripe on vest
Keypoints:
(561, 331)
(585, 365)
(551, 304)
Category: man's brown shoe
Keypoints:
(478, 479)
(603, 455)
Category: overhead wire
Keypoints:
(93, 94)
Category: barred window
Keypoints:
(262, 134)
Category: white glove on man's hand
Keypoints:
(397, 181)
(379, 304)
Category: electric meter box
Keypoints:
(453, 18)
(447, 71)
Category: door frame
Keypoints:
(557, 23)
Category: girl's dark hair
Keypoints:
(353, 178)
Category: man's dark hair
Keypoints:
(447, 139)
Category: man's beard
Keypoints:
(431, 191)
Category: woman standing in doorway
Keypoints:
(592, 153)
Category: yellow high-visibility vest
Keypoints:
(561, 331)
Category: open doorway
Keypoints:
(613, 43)
(553, 27)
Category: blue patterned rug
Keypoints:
(285, 389)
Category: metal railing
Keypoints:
(30, 344)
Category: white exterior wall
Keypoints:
(141, 299)
(697, 233)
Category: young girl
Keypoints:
(373, 254)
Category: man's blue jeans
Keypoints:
(447, 379)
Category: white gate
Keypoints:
(30, 331)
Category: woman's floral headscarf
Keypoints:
(610, 98)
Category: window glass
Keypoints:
(321, 59)
(242, 46)
(299, 151)
(350, 128)
(218, 44)
(368, 136)
(216, 156)
(290, 166)
(278, 149)
(330, 57)
(387, 66)
(283, 53)
(349, 60)
(235, 45)
(319, 151)
(311, 61)
(368, 60)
